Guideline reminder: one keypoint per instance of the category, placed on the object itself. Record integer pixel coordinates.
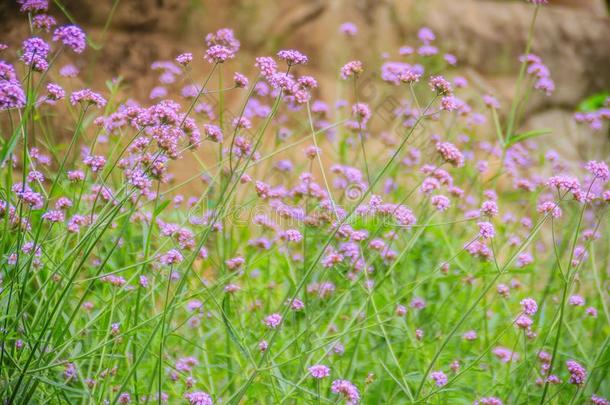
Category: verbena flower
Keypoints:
(292, 57)
(71, 36)
(578, 374)
(440, 379)
(349, 29)
(348, 390)
(273, 321)
(198, 398)
(87, 97)
(351, 69)
(319, 371)
(33, 6)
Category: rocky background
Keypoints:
(572, 36)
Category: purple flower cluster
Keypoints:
(71, 36)
(351, 69)
(537, 69)
(292, 57)
(87, 97)
(319, 371)
(33, 6)
(35, 52)
(348, 390)
(11, 92)
(578, 374)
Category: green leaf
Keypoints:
(595, 102)
(526, 135)
(161, 207)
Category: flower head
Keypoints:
(273, 321)
(319, 371)
(292, 57)
(578, 374)
(439, 378)
(349, 29)
(351, 69)
(71, 36)
(198, 398)
(347, 390)
(529, 305)
(218, 54)
(87, 97)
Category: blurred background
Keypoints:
(572, 37)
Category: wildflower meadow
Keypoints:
(394, 236)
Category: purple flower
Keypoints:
(184, 58)
(546, 85)
(488, 401)
(450, 154)
(7, 72)
(95, 163)
(427, 50)
(273, 321)
(158, 92)
(319, 371)
(349, 29)
(578, 374)
(352, 68)
(450, 103)
(68, 70)
(470, 335)
(439, 378)
(235, 263)
(524, 322)
(87, 97)
(171, 257)
(218, 54)
(224, 37)
(35, 52)
(71, 36)
(33, 6)
(529, 305)
(44, 22)
(55, 92)
(597, 400)
(450, 59)
(426, 35)
(599, 170)
(267, 66)
(213, 132)
(347, 390)
(440, 202)
(486, 230)
(143, 282)
(53, 216)
(292, 235)
(240, 80)
(505, 355)
(440, 85)
(591, 311)
(490, 101)
(124, 398)
(198, 398)
(576, 300)
(292, 57)
(489, 208)
(11, 95)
